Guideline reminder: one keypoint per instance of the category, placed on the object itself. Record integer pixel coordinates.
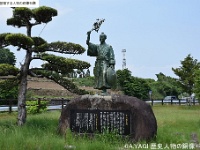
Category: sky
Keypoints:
(157, 34)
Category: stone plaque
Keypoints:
(100, 121)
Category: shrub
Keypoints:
(9, 89)
(34, 107)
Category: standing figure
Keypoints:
(104, 65)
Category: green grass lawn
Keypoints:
(176, 125)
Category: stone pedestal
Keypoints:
(143, 125)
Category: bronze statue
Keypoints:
(103, 71)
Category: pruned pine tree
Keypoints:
(37, 48)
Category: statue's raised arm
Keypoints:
(88, 37)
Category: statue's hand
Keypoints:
(88, 37)
(112, 66)
(89, 32)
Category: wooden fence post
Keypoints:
(10, 105)
(62, 101)
(39, 103)
(193, 101)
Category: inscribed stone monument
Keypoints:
(96, 113)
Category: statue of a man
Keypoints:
(105, 61)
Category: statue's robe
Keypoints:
(104, 58)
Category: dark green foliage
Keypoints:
(62, 65)
(140, 87)
(38, 41)
(164, 86)
(196, 89)
(44, 14)
(6, 69)
(123, 76)
(62, 47)
(132, 86)
(15, 22)
(7, 57)
(20, 16)
(157, 90)
(16, 39)
(23, 15)
(19, 40)
(186, 73)
(136, 87)
(3, 41)
(9, 88)
(167, 85)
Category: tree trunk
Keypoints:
(23, 89)
(23, 83)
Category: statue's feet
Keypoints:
(104, 92)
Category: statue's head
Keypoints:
(102, 37)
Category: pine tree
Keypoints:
(37, 48)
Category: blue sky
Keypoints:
(157, 34)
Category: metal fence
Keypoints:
(173, 102)
(10, 105)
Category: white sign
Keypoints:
(19, 3)
(150, 92)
